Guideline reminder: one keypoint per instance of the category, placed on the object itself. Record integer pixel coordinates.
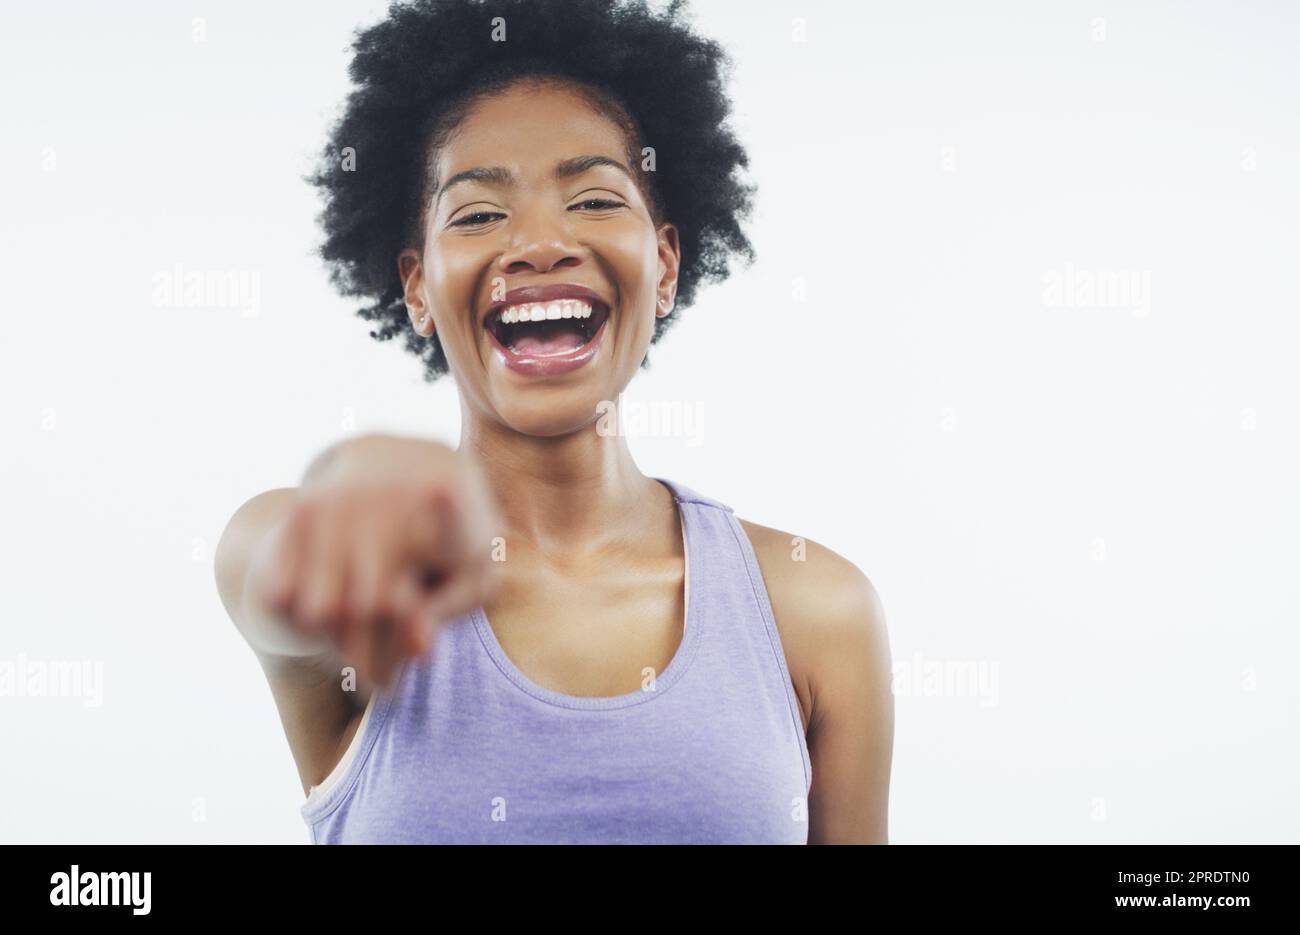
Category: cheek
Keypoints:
(635, 262)
(451, 275)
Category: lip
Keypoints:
(551, 365)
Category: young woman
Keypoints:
(526, 639)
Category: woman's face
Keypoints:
(521, 206)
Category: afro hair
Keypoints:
(417, 73)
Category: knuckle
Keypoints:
(286, 603)
(333, 615)
(305, 511)
(268, 586)
(358, 607)
(310, 615)
(320, 608)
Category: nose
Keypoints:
(541, 242)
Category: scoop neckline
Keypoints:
(664, 680)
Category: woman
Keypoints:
(525, 639)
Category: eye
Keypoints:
(469, 220)
(599, 204)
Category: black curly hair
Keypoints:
(417, 73)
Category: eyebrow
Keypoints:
(499, 175)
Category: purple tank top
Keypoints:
(467, 749)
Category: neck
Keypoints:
(572, 494)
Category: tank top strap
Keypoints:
(683, 494)
(732, 614)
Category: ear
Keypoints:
(670, 262)
(411, 271)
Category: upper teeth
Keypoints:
(541, 311)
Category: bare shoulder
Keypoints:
(828, 614)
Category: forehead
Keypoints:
(531, 127)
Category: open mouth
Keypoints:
(546, 329)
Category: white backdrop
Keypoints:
(1019, 343)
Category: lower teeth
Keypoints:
(584, 332)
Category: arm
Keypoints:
(377, 548)
(851, 734)
(832, 628)
(305, 681)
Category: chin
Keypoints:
(550, 411)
